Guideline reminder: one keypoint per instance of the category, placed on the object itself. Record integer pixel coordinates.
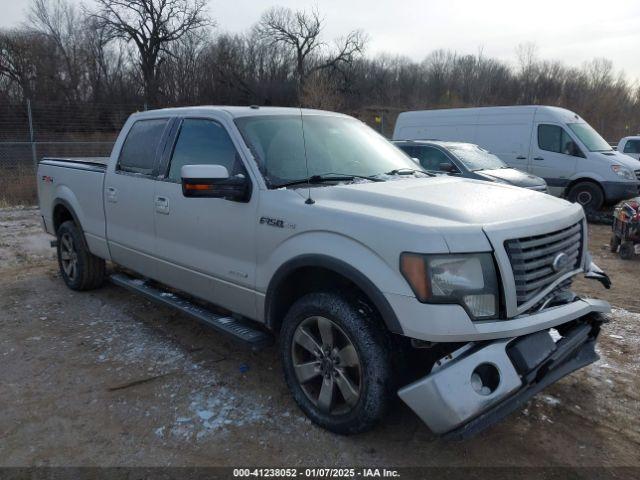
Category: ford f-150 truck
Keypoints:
(376, 277)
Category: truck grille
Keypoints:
(637, 172)
(532, 259)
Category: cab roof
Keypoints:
(235, 111)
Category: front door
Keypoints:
(128, 197)
(554, 156)
(206, 246)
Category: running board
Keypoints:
(232, 327)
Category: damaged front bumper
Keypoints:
(482, 382)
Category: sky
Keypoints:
(573, 31)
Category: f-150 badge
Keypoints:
(276, 222)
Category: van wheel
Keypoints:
(587, 194)
(80, 269)
(614, 243)
(337, 363)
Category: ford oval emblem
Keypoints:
(561, 262)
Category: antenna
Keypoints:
(309, 200)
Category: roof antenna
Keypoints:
(309, 200)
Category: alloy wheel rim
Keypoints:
(68, 256)
(327, 365)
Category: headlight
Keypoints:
(469, 280)
(623, 172)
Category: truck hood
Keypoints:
(451, 200)
(513, 177)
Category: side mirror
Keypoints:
(213, 181)
(447, 167)
(416, 160)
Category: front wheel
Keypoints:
(614, 243)
(337, 363)
(587, 194)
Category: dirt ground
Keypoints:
(106, 378)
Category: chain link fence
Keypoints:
(30, 131)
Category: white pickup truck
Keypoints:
(308, 226)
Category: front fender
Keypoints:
(338, 253)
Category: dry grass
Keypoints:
(17, 187)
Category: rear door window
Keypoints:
(139, 151)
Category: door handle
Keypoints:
(162, 205)
(521, 157)
(112, 195)
(538, 158)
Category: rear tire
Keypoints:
(80, 269)
(337, 362)
(627, 250)
(587, 194)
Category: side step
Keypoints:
(236, 329)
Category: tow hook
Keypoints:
(596, 273)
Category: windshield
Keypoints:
(333, 145)
(475, 158)
(589, 137)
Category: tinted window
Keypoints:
(138, 153)
(431, 158)
(203, 142)
(632, 146)
(554, 139)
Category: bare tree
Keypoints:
(301, 31)
(152, 25)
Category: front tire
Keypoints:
(79, 268)
(614, 243)
(587, 194)
(337, 363)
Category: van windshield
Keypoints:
(475, 158)
(289, 148)
(589, 137)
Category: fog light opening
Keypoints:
(485, 379)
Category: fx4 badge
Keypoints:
(276, 222)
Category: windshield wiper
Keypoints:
(327, 177)
(408, 171)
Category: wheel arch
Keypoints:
(286, 286)
(584, 179)
(62, 212)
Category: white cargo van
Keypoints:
(550, 142)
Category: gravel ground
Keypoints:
(106, 378)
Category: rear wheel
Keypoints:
(336, 362)
(587, 194)
(627, 250)
(80, 269)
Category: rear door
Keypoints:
(128, 196)
(554, 155)
(206, 246)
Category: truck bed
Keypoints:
(78, 184)
(86, 163)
